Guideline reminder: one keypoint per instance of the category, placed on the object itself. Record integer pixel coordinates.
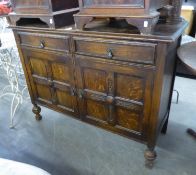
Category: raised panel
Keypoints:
(43, 93)
(38, 67)
(61, 72)
(64, 87)
(95, 80)
(64, 100)
(97, 111)
(130, 87)
(129, 120)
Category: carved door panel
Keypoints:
(52, 80)
(114, 96)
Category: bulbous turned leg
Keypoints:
(150, 156)
(36, 110)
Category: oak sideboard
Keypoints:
(118, 81)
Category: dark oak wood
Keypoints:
(114, 95)
(51, 12)
(116, 50)
(150, 156)
(41, 6)
(43, 41)
(144, 14)
(121, 82)
(52, 79)
(36, 110)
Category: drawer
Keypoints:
(48, 42)
(118, 50)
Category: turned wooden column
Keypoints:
(36, 110)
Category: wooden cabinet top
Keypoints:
(162, 33)
(42, 6)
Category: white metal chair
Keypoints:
(13, 87)
(10, 167)
(10, 65)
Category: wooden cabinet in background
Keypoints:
(42, 6)
(143, 14)
(54, 13)
(120, 82)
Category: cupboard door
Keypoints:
(52, 80)
(114, 96)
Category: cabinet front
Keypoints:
(52, 81)
(114, 96)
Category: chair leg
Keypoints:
(14, 108)
(178, 94)
(191, 132)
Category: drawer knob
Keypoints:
(110, 99)
(50, 83)
(72, 91)
(110, 54)
(42, 45)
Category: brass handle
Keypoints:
(42, 45)
(110, 54)
(50, 83)
(110, 100)
(80, 93)
(72, 91)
